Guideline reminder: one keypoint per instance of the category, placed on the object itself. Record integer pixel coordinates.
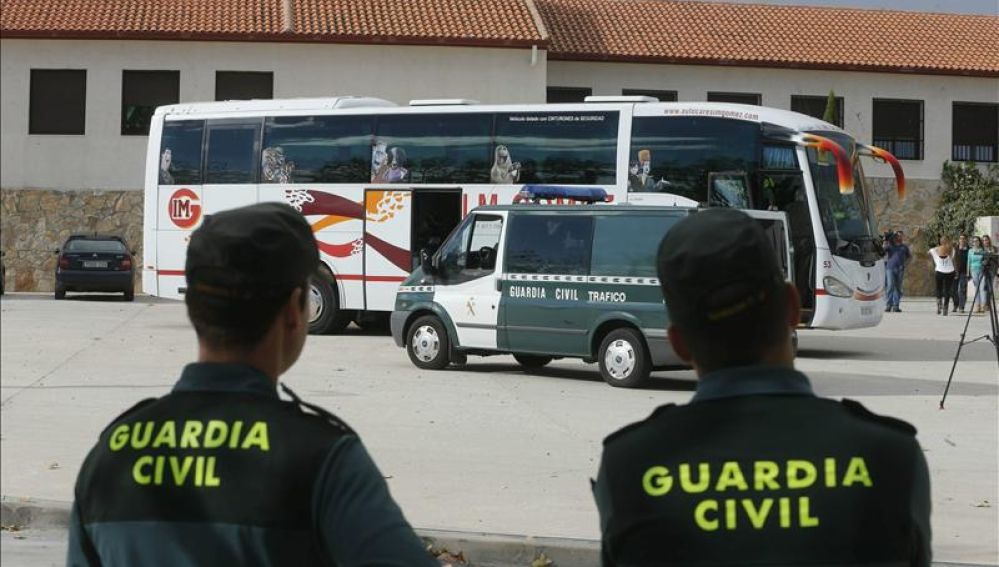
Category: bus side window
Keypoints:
(180, 152)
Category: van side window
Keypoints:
(627, 245)
(471, 254)
(550, 244)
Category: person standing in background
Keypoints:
(961, 265)
(943, 264)
(897, 255)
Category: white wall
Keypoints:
(104, 159)
(692, 82)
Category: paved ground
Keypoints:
(487, 448)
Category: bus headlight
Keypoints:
(835, 287)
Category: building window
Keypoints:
(243, 85)
(568, 94)
(815, 106)
(663, 96)
(58, 101)
(737, 98)
(975, 132)
(141, 93)
(898, 127)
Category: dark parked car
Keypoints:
(95, 262)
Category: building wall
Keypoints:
(104, 159)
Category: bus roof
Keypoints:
(358, 104)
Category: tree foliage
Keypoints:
(969, 192)
(830, 113)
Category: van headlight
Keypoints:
(835, 287)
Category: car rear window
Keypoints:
(107, 246)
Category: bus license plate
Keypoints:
(866, 311)
(94, 264)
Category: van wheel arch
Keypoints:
(605, 329)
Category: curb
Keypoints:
(481, 549)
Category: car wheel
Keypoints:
(325, 315)
(624, 358)
(531, 361)
(60, 292)
(427, 343)
(130, 295)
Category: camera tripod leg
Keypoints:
(993, 324)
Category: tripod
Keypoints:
(988, 273)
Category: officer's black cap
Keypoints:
(718, 269)
(258, 251)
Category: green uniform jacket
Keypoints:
(757, 470)
(223, 472)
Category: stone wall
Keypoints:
(910, 215)
(34, 222)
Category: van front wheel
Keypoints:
(624, 358)
(427, 343)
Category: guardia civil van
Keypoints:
(550, 281)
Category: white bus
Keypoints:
(379, 182)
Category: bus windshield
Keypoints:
(846, 219)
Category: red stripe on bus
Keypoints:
(821, 292)
(359, 277)
(346, 277)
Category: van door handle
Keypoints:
(499, 285)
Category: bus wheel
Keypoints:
(325, 315)
(624, 358)
(531, 361)
(427, 343)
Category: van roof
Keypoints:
(595, 208)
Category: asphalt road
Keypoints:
(488, 447)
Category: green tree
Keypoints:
(830, 113)
(969, 192)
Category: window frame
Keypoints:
(549, 90)
(671, 96)
(125, 73)
(920, 149)
(953, 137)
(35, 129)
(840, 106)
(715, 94)
(231, 74)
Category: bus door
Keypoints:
(786, 192)
(388, 220)
(232, 164)
(435, 214)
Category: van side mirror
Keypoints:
(427, 263)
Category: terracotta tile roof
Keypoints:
(683, 31)
(454, 22)
(665, 31)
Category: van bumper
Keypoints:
(397, 323)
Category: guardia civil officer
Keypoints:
(755, 470)
(221, 471)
